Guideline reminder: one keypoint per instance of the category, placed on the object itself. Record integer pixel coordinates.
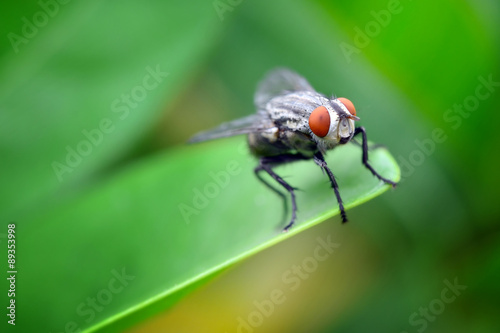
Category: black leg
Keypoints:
(266, 164)
(372, 147)
(272, 188)
(320, 160)
(365, 156)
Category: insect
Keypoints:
(294, 123)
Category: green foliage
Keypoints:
(168, 222)
(120, 207)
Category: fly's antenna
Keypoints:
(343, 115)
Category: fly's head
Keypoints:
(333, 123)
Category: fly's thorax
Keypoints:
(291, 111)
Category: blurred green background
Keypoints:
(425, 79)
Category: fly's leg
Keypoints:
(320, 160)
(365, 156)
(266, 164)
(267, 168)
(272, 188)
(372, 147)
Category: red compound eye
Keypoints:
(319, 121)
(348, 104)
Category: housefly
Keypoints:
(294, 123)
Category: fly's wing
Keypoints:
(277, 82)
(259, 122)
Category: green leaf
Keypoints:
(133, 225)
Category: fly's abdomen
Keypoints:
(279, 142)
(266, 143)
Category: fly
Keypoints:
(294, 123)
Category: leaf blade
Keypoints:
(135, 220)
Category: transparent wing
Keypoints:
(251, 124)
(277, 82)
